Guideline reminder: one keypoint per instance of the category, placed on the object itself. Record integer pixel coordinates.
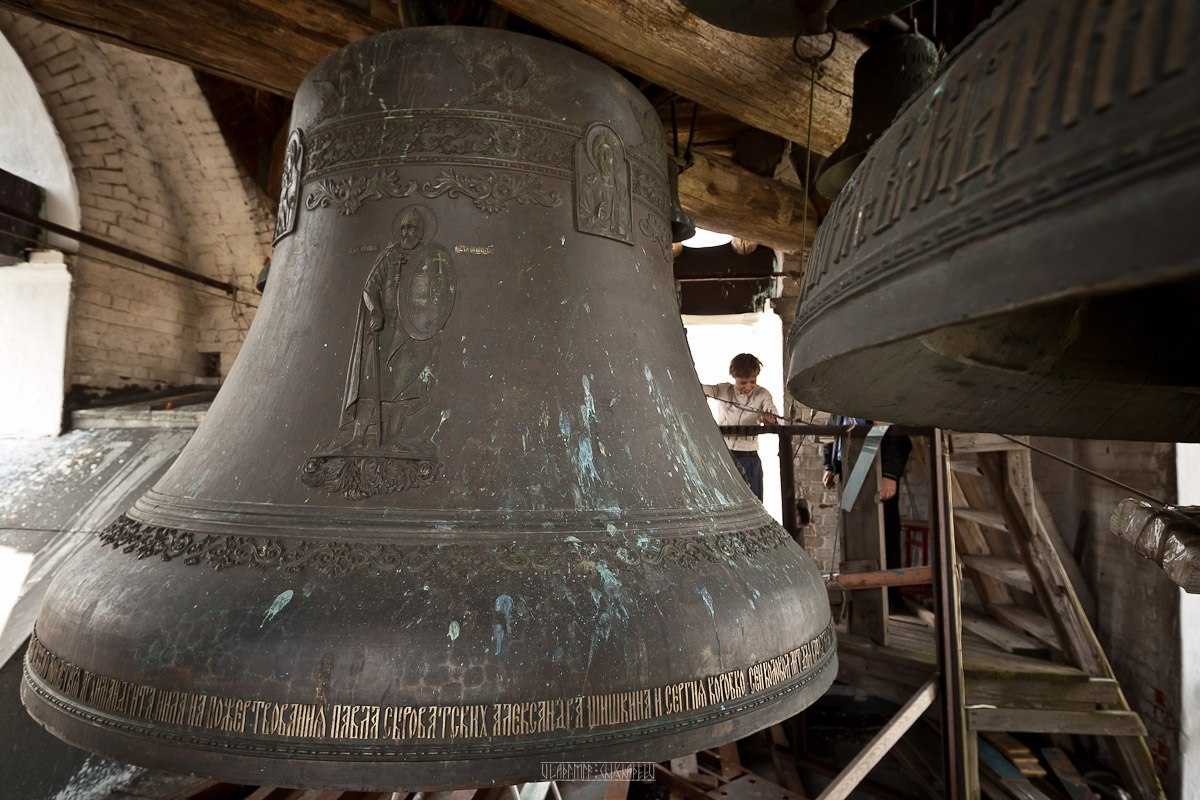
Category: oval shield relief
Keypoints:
(427, 292)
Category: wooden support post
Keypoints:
(863, 525)
(958, 743)
(731, 762)
(784, 761)
(877, 748)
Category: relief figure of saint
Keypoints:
(603, 201)
(406, 301)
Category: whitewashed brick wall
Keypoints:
(154, 175)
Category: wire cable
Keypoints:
(1098, 475)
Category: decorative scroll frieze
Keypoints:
(341, 557)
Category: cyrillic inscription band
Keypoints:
(374, 723)
(989, 128)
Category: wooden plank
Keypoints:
(1000, 769)
(1005, 638)
(1025, 620)
(1031, 692)
(863, 527)
(755, 79)
(988, 519)
(842, 786)
(722, 196)
(906, 576)
(921, 612)
(981, 443)
(1002, 569)
(1017, 752)
(1072, 782)
(1036, 720)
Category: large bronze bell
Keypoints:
(1016, 254)
(891, 71)
(460, 510)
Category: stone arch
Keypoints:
(153, 174)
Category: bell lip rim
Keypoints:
(44, 704)
(136, 748)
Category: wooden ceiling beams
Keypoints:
(759, 81)
(725, 197)
(272, 45)
(267, 44)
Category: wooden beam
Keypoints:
(1036, 720)
(267, 44)
(757, 80)
(981, 443)
(724, 197)
(905, 576)
(1028, 692)
(988, 519)
(881, 743)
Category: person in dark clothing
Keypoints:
(893, 458)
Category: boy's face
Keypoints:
(745, 385)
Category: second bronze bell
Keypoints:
(460, 510)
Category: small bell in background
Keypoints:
(682, 226)
(885, 77)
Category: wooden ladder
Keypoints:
(1034, 601)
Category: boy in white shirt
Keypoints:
(744, 402)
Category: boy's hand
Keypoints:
(887, 489)
(828, 479)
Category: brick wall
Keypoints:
(820, 535)
(154, 175)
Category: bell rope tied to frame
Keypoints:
(460, 509)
